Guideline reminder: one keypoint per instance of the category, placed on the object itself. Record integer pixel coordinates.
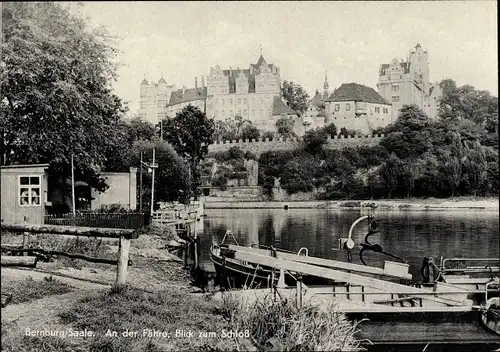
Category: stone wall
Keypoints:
(258, 147)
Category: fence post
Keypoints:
(25, 236)
(196, 250)
(121, 274)
(299, 291)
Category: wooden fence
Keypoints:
(105, 220)
(124, 236)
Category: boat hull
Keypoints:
(235, 274)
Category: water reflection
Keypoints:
(409, 234)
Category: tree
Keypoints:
(284, 126)
(56, 90)
(409, 135)
(172, 179)
(345, 132)
(389, 173)
(331, 130)
(250, 132)
(466, 102)
(190, 132)
(295, 96)
(475, 165)
(411, 171)
(314, 140)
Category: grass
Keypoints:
(124, 308)
(28, 290)
(279, 325)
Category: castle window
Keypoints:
(253, 113)
(395, 88)
(239, 101)
(244, 100)
(222, 101)
(347, 107)
(261, 86)
(337, 107)
(245, 113)
(395, 98)
(261, 100)
(222, 112)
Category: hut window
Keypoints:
(29, 190)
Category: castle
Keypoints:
(253, 93)
(407, 82)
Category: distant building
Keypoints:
(357, 107)
(253, 93)
(315, 115)
(407, 82)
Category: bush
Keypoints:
(220, 181)
(268, 134)
(250, 156)
(235, 153)
(279, 325)
(314, 140)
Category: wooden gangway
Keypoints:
(349, 279)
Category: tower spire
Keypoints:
(326, 85)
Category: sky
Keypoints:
(348, 40)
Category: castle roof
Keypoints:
(357, 92)
(279, 107)
(317, 100)
(144, 82)
(405, 66)
(261, 61)
(191, 94)
(162, 80)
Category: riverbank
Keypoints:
(71, 305)
(413, 204)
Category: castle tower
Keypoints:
(143, 102)
(419, 67)
(162, 98)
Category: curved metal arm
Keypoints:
(350, 242)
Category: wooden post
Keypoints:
(25, 236)
(121, 274)
(186, 248)
(299, 291)
(73, 185)
(195, 250)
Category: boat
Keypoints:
(453, 304)
(233, 273)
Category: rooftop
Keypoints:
(357, 92)
(191, 94)
(279, 107)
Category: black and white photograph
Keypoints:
(268, 176)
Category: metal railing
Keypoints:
(103, 220)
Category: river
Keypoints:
(411, 235)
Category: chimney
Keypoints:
(203, 81)
(230, 71)
(183, 89)
(196, 82)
